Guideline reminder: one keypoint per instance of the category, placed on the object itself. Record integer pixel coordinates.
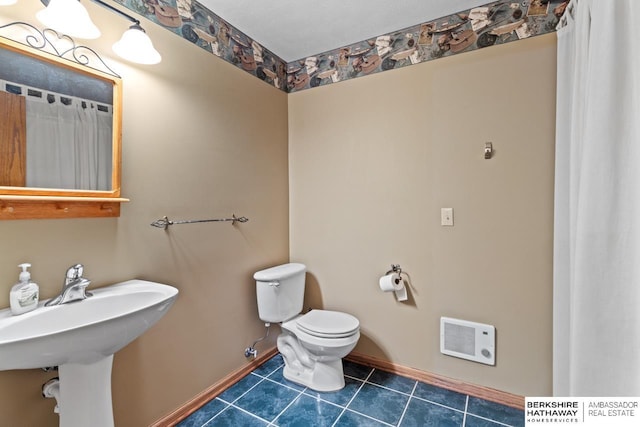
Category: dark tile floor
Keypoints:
(370, 398)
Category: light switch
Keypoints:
(446, 216)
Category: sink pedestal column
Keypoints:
(85, 394)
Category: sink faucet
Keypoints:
(74, 288)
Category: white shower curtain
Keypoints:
(50, 146)
(68, 146)
(597, 202)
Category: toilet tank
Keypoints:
(280, 292)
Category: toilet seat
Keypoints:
(328, 324)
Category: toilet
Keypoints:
(312, 344)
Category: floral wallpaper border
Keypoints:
(495, 23)
(197, 24)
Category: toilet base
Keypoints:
(318, 372)
(324, 376)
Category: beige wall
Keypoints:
(373, 160)
(201, 139)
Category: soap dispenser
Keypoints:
(24, 294)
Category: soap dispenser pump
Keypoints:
(24, 294)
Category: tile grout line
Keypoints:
(228, 405)
(390, 389)
(262, 379)
(287, 386)
(433, 402)
(438, 404)
(300, 393)
(242, 395)
(491, 420)
(353, 397)
(231, 404)
(366, 381)
(415, 385)
(369, 417)
(412, 393)
(269, 374)
(316, 397)
(464, 415)
(481, 417)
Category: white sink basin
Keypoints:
(82, 331)
(81, 338)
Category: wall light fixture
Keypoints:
(70, 17)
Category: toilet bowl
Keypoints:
(312, 344)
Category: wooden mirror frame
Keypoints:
(36, 203)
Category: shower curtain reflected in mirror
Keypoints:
(68, 144)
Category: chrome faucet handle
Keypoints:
(74, 287)
(74, 272)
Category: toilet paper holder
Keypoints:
(393, 281)
(395, 268)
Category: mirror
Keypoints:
(61, 118)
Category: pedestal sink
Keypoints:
(81, 338)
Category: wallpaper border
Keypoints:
(494, 23)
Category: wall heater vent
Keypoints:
(468, 340)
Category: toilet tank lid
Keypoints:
(279, 272)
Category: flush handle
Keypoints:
(274, 284)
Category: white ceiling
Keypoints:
(295, 29)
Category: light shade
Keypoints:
(136, 46)
(7, 2)
(69, 17)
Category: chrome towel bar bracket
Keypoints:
(165, 222)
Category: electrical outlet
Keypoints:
(446, 217)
